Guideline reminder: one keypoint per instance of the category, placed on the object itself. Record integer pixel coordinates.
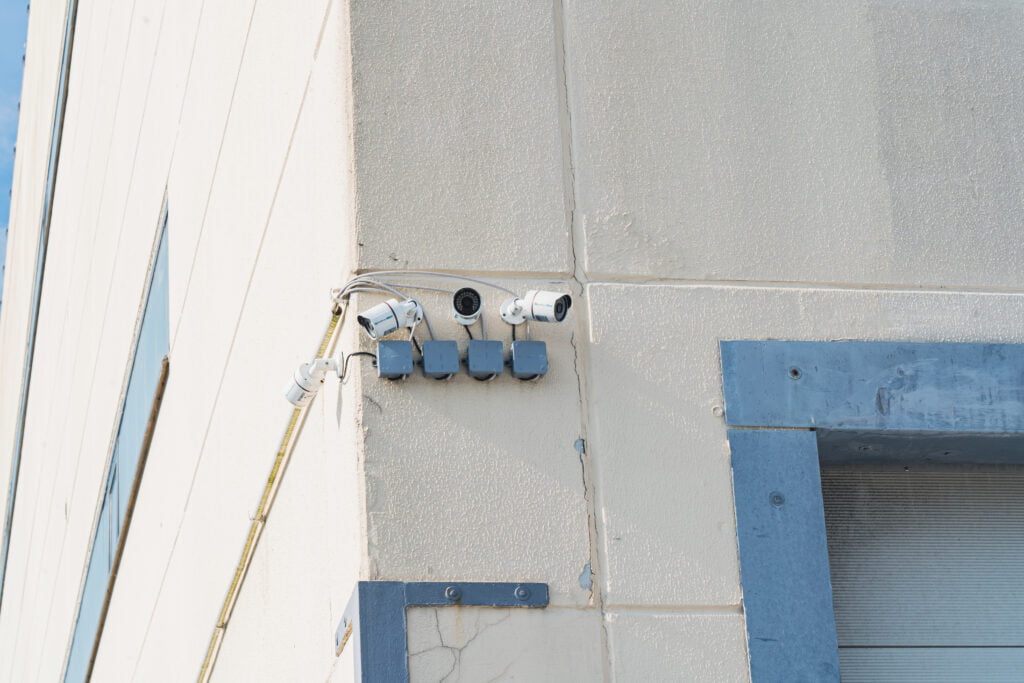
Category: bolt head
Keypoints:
(452, 593)
(522, 593)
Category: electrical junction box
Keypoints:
(440, 359)
(394, 359)
(485, 358)
(529, 359)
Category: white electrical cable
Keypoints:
(375, 283)
(413, 273)
(361, 279)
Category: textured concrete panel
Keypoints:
(677, 647)
(951, 109)
(487, 644)
(839, 142)
(458, 145)
(478, 480)
(661, 459)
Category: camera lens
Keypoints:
(562, 307)
(466, 301)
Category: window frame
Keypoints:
(117, 502)
(791, 404)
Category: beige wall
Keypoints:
(690, 172)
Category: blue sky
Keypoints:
(13, 22)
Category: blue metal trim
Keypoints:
(875, 385)
(437, 594)
(37, 286)
(375, 619)
(787, 592)
(376, 615)
(851, 447)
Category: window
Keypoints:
(886, 427)
(134, 430)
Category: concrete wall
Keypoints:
(689, 172)
(785, 170)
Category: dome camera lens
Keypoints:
(467, 301)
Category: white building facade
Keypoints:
(193, 179)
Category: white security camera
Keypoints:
(537, 305)
(466, 306)
(307, 380)
(385, 318)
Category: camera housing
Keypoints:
(536, 305)
(467, 304)
(303, 387)
(307, 380)
(385, 318)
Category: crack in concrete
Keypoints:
(577, 234)
(456, 661)
(500, 675)
(372, 402)
(454, 674)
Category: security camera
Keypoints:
(542, 307)
(385, 318)
(466, 306)
(307, 380)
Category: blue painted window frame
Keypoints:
(138, 412)
(790, 404)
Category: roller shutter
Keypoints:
(927, 565)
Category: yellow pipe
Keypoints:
(284, 452)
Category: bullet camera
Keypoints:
(385, 318)
(466, 306)
(536, 305)
(307, 380)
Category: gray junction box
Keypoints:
(440, 359)
(394, 359)
(485, 358)
(529, 359)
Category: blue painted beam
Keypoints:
(787, 591)
(852, 447)
(473, 594)
(874, 385)
(376, 615)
